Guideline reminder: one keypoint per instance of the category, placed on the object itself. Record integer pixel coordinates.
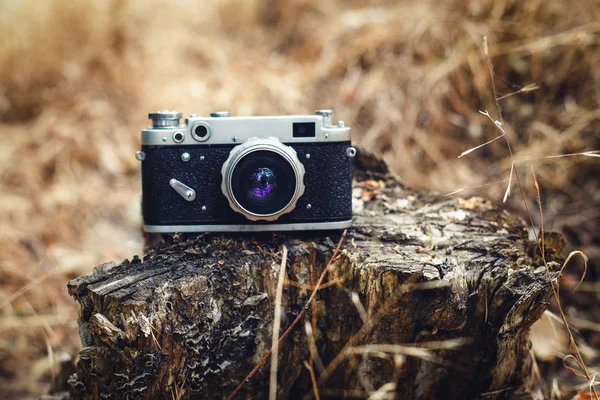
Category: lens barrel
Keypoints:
(262, 179)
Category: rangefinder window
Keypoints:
(304, 129)
(201, 131)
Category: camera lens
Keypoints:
(263, 182)
(262, 179)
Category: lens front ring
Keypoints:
(258, 146)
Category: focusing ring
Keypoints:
(257, 144)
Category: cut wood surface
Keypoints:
(430, 297)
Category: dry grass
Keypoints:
(276, 342)
(78, 78)
(277, 325)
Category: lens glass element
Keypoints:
(263, 182)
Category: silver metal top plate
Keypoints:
(235, 130)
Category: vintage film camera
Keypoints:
(223, 173)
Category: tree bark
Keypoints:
(431, 297)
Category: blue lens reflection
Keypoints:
(263, 182)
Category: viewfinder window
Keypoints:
(304, 129)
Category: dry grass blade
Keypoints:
(535, 369)
(384, 391)
(366, 327)
(422, 351)
(313, 380)
(51, 357)
(581, 323)
(449, 344)
(178, 390)
(462, 189)
(539, 199)
(311, 326)
(508, 187)
(497, 123)
(359, 307)
(544, 43)
(496, 392)
(355, 394)
(529, 88)
(315, 358)
(591, 153)
(595, 153)
(585, 265)
(540, 241)
(296, 321)
(578, 369)
(327, 284)
(500, 122)
(277, 325)
(556, 292)
(593, 382)
(25, 289)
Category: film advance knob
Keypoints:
(165, 119)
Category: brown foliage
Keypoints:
(78, 78)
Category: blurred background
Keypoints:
(78, 78)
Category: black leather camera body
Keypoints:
(223, 173)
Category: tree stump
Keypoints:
(431, 297)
